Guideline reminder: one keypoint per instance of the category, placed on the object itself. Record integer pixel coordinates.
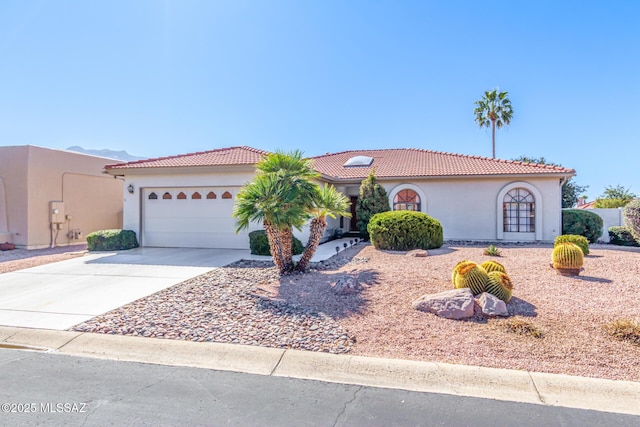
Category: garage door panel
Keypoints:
(193, 223)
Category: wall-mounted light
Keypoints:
(130, 188)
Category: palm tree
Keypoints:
(280, 196)
(328, 201)
(493, 109)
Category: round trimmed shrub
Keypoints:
(111, 240)
(259, 244)
(579, 241)
(404, 230)
(582, 223)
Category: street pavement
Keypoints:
(52, 389)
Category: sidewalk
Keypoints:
(499, 384)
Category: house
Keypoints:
(55, 197)
(187, 200)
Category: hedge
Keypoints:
(111, 240)
(621, 236)
(404, 230)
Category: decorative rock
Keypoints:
(346, 285)
(491, 305)
(418, 253)
(454, 304)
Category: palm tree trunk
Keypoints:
(286, 236)
(275, 246)
(316, 228)
(493, 137)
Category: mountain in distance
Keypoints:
(117, 155)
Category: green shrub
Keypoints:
(610, 203)
(631, 214)
(372, 199)
(492, 250)
(621, 236)
(111, 240)
(405, 230)
(259, 244)
(579, 241)
(582, 223)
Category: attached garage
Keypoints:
(192, 217)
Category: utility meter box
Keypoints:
(56, 212)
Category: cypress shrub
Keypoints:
(372, 199)
(582, 223)
(405, 230)
(111, 240)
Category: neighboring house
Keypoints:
(187, 200)
(55, 197)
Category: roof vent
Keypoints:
(359, 161)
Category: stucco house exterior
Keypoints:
(55, 196)
(187, 200)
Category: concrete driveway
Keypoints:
(65, 293)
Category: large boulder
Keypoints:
(453, 304)
(491, 305)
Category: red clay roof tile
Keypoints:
(388, 163)
(218, 157)
(413, 162)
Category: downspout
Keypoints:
(563, 181)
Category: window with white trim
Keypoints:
(406, 200)
(519, 211)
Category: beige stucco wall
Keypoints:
(469, 209)
(35, 176)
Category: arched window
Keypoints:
(211, 195)
(227, 195)
(166, 196)
(196, 195)
(153, 196)
(181, 196)
(519, 211)
(406, 200)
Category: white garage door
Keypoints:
(196, 217)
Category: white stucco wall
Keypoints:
(469, 209)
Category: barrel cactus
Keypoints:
(491, 265)
(454, 273)
(470, 275)
(499, 284)
(567, 259)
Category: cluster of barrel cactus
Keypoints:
(490, 276)
(567, 258)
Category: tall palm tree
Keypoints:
(494, 109)
(281, 196)
(327, 202)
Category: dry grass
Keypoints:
(520, 326)
(625, 330)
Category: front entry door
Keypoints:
(354, 219)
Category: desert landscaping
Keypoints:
(556, 324)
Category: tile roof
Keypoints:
(218, 157)
(389, 163)
(413, 162)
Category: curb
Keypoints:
(459, 380)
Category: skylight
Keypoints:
(359, 161)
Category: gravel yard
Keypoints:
(19, 259)
(248, 303)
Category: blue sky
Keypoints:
(159, 78)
